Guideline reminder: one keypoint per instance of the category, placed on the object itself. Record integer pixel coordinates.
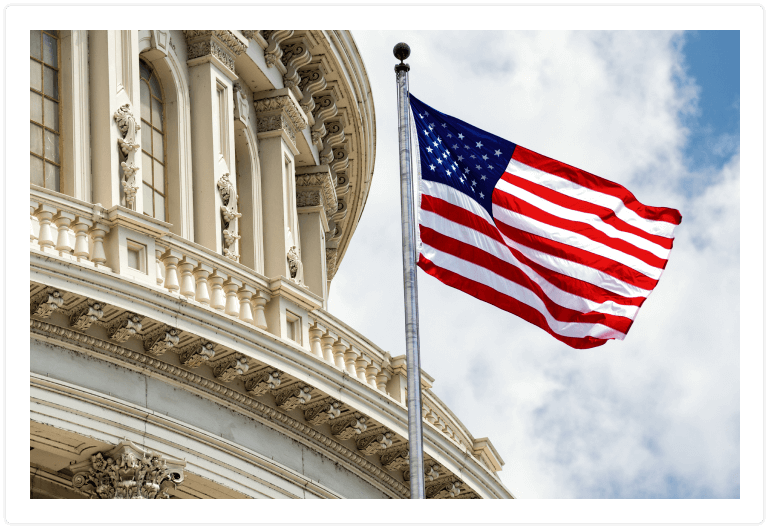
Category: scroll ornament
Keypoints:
(129, 145)
(229, 214)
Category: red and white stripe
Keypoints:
(568, 251)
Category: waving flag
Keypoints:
(566, 250)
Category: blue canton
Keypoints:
(458, 154)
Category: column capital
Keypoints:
(218, 47)
(278, 113)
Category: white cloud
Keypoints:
(656, 415)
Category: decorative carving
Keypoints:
(295, 55)
(371, 444)
(291, 397)
(264, 381)
(222, 45)
(86, 314)
(431, 473)
(331, 262)
(128, 126)
(449, 487)
(160, 341)
(198, 352)
(334, 136)
(241, 103)
(46, 302)
(273, 53)
(295, 267)
(395, 458)
(308, 198)
(276, 122)
(230, 368)
(126, 472)
(311, 81)
(124, 327)
(229, 214)
(281, 104)
(348, 426)
(340, 160)
(325, 108)
(323, 412)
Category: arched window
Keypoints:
(153, 171)
(44, 109)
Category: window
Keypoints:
(44, 109)
(153, 144)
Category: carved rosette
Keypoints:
(46, 302)
(294, 396)
(86, 314)
(230, 368)
(264, 381)
(195, 354)
(221, 46)
(374, 443)
(129, 145)
(126, 472)
(229, 214)
(323, 412)
(160, 341)
(124, 327)
(395, 458)
(348, 426)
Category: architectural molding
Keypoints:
(219, 47)
(230, 216)
(278, 110)
(86, 314)
(128, 126)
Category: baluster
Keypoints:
(338, 349)
(63, 220)
(315, 333)
(371, 373)
(231, 306)
(202, 271)
(81, 238)
(44, 215)
(33, 205)
(260, 300)
(326, 341)
(244, 296)
(185, 267)
(217, 294)
(159, 269)
(171, 260)
(98, 232)
(350, 356)
(360, 367)
(382, 378)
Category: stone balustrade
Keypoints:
(65, 228)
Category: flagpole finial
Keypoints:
(402, 52)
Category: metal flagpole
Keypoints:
(413, 370)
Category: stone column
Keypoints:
(211, 61)
(114, 78)
(315, 200)
(279, 118)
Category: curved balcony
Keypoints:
(141, 332)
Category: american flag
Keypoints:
(566, 250)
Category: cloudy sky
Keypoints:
(655, 416)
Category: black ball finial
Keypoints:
(401, 51)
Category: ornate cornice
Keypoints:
(224, 46)
(279, 110)
(318, 440)
(312, 186)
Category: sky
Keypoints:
(658, 414)
(674, 409)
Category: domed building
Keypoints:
(192, 195)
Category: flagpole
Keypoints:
(413, 370)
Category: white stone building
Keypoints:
(192, 195)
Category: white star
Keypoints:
(479, 145)
(481, 195)
(455, 146)
(432, 167)
(478, 167)
(439, 140)
(426, 133)
(461, 179)
(474, 182)
(485, 157)
(467, 146)
(440, 161)
(431, 125)
(435, 143)
(472, 156)
(467, 170)
(429, 149)
(460, 158)
(483, 177)
(491, 167)
(461, 136)
(448, 172)
(497, 152)
(450, 136)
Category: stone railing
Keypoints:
(73, 230)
